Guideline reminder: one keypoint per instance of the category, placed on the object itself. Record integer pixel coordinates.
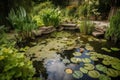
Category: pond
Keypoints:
(69, 55)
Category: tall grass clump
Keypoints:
(113, 32)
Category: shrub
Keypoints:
(14, 65)
(50, 17)
(113, 32)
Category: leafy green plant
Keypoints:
(2, 34)
(113, 32)
(50, 17)
(86, 27)
(14, 65)
(22, 23)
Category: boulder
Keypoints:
(97, 34)
(47, 30)
(69, 26)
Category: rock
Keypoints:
(97, 34)
(47, 30)
(37, 32)
(69, 26)
(101, 29)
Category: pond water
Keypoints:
(56, 54)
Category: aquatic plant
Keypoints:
(104, 77)
(106, 49)
(77, 74)
(111, 72)
(83, 70)
(106, 62)
(66, 61)
(86, 27)
(94, 74)
(89, 66)
(114, 49)
(100, 67)
(77, 54)
(86, 60)
(88, 47)
(14, 65)
(116, 65)
(75, 60)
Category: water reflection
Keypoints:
(55, 68)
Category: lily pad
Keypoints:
(106, 62)
(115, 49)
(88, 47)
(94, 58)
(100, 67)
(89, 66)
(77, 74)
(106, 49)
(75, 60)
(83, 70)
(112, 72)
(86, 60)
(104, 77)
(77, 54)
(116, 66)
(66, 61)
(68, 71)
(94, 74)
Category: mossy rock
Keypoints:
(112, 72)
(77, 74)
(100, 67)
(104, 77)
(77, 54)
(89, 66)
(83, 70)
(94, 74)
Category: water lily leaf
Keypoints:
(100, 67)
(75, 60)
(115, 49)
(77, 54)
(106, 62)
(83, 70)
(116, 66)
(66, 61)
(106, 49)
(94, 58)
(88, 47)
(94, 74)
(86, 60)
(89, 66)
(68, 71)
(112, 72)
(90, 39)
(77, 74)
(104, 77)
